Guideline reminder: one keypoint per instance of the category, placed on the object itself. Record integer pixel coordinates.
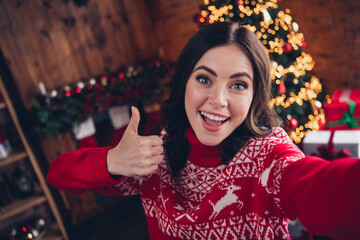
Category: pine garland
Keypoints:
(56, 111)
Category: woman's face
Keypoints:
(219, 93)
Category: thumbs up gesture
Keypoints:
(135, 155)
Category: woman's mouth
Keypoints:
(212, 120)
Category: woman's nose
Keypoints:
(218, 97)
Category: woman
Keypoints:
(222, 168)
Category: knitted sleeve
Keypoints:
(85, 169)
(279, 152)
(324, 195)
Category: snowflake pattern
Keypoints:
(185, 206)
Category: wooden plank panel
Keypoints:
(58, 43)
(16, 62)
(141, 28)
(21, 205)
(13, 157)
(5, 19)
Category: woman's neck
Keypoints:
(202, 155)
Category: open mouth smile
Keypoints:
(212, 122)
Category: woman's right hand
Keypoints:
(135, 155)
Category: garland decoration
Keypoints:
(55, 112)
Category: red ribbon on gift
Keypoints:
(328, 152)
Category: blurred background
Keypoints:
(70, 69)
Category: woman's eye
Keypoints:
(239, 86)
(203, 79)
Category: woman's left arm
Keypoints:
(324, 195)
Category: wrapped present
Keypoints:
(332, 144)
(344, 110)
(5, 148)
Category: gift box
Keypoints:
(332, 144)
(344, 110)
(5, 148)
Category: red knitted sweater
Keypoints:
(251, 198)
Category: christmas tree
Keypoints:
(297, 93)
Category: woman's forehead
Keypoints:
(229, 57)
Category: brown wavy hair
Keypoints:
(261, 117)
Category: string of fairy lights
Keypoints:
(266, 31)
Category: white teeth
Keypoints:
(213, 117)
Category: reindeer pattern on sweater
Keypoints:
(237, 201)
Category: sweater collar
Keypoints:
(202, 155)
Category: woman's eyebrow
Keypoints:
(243, 74)
(212, 72)
(206, 69)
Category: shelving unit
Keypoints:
(43, 196)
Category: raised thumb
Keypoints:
(134, 120)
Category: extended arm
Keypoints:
(91, 168)
(325, 196)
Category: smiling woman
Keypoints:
(219, 93)
(222, 168)
(217, 53)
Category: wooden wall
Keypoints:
(57, 42)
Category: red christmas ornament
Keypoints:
(197, 18)
(282, 88)
(121, 75)
(291, 124)
(287, 47)
(240, 4)
(303, 44)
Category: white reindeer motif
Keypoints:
(228, 199)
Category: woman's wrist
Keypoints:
(109, 164)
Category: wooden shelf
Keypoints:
(13, 157)
(21, 205)
(51, 232)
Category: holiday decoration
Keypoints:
(294, 87)
(291, 124)
(287, 47)
(282, 88)
(5, 147)
(332, 144)
(120, 118)
(57, 111)
(27, 230)
(343, 110)
(84, 133)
